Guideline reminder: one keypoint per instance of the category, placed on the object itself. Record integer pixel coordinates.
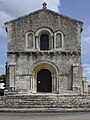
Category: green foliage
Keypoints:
(3, 76)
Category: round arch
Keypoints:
(47, 32)
(44, 30)
(45, 65)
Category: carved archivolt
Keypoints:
(45, 65)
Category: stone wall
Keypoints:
(43, 18)
(67, 78)
(24, 63)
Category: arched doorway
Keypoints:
(44, 42)
(44, 81)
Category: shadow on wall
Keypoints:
(89, 89)
(1, 92)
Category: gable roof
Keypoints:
(47, 10)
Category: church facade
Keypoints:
(44, 54)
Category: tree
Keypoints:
(3, 76)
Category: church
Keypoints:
(44, 54)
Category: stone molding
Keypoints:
(60, 53)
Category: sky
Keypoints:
(77, 9)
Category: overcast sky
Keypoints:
(77, 9)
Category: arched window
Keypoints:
(58, 40)
(29, 40)
(44, 42)
(44, 39)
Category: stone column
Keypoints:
(57, 84)
(53, 84)
(12, 76)
(37, 43)
(31, 84)
(85, 86)
(7, 77)
(51, 43)
(76, 79)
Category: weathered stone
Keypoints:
(45, 101)
(62, 58)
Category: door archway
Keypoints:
(44, 81)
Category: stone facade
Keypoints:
(26, 55)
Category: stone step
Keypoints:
(20, 105)
(43, 98)
(41, 106)
(43, 101)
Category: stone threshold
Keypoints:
(43, 94)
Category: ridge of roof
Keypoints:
(34, 12)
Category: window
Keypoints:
(44, 42)
(29, 40)
(58, 40)
(44, 39)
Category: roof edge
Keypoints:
(67, 17)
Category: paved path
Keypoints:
(45, 116)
